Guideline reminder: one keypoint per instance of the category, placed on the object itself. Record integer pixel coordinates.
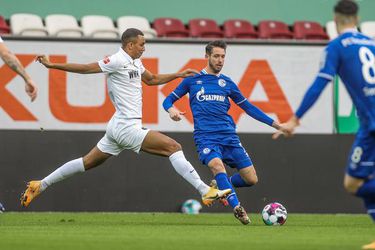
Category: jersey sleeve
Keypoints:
(329, 62)
(179, 92)
(109, 64)
(312, 95)
(249, 108)
(142, 68)
(235, 94)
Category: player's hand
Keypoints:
(43, 59)
(187, 73)
(31, 89)
(174, 114)
(287, 129)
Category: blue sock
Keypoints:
(367, 193)
(370, 205)
(367, 190)
(237, 181)
(223, 183)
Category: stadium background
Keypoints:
(304, 173)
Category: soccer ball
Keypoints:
(274, 214)
(2, 208)
(191, 206)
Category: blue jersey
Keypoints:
(209, 101)
(352, 57)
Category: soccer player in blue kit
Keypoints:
(352, 57)
(214, 129)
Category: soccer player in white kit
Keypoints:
(11, 60)
(124, 131)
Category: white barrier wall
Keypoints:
(273, 77)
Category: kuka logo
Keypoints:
(257, 70)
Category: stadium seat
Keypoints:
(170, 27)
(237, 28)
(309, 31)
(368, 28)
(98, 27)
(137, 22)
(4, 28)
(274, 30)
(27, 25)
(204, 28)
(331, 30)
(63, 26)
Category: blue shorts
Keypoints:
(234, 155)
(361, 162)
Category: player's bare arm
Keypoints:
(89, 68)
(158, 79)
(12, 61)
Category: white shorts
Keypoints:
(122, 134)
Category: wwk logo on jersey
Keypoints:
(133, 74)
(202, 97)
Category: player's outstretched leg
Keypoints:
(160, 144)
(34, 188)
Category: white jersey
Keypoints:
(1, 40)
(124, 83)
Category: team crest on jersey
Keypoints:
(106, 60)
(206, 151)
(198, 82)
(222, 83)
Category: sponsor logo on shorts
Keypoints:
(206, 151)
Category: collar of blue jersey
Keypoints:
(204, 72)
(126, 55)
(349, 30)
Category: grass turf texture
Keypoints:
(177, 231)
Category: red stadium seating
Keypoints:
(274, 30)
(170, 27)
(309, 31)
(4, 28)
(236, 28)
(204, 28)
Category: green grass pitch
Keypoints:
(175, 231)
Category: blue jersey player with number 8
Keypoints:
(351, 56)
(214, 129)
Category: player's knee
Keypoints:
(251, 180)
(173, 146)
(352, 184)
(351, 188)
(216, 167)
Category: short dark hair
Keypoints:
(130, 34)
(213, 44)
(346, 7)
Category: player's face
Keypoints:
(216, 59)
(139, 46)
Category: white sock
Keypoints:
(65, 171)
(187, 171)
